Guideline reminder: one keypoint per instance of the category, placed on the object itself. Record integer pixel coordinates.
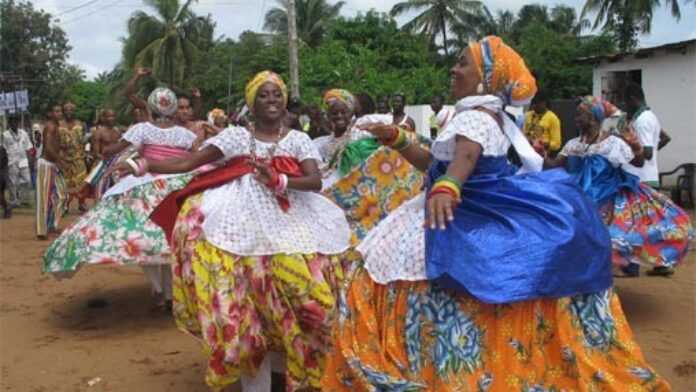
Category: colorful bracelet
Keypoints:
(402, 141)
(447, 184)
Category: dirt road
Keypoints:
(50, 340)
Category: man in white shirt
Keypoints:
(18, 146)
(648, 130)
(440, 117)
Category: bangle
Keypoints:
(282, 184)
(143, 166)
(443, 191)
(447, 184)
(402, 142)
(133, 165)
(451, 179)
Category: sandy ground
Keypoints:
(50, 340)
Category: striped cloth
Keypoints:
(50, 197)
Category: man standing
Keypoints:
(440, 117)
(105, 134)
(648, 130)
(50, 184)
(542, 127)
(398, 103)
(18, 147)
(6, 209)
(72, 155)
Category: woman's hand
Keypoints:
(440, 210)
(265, 174)
(381, 131)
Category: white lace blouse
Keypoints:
(147, 133)
(478, 127)
(395, 249)
(613, 148)
(243, 217)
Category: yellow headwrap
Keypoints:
(503, 71)
(340, 95)
(262, 77)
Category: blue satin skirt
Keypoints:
(519, 237)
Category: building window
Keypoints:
(613, 84)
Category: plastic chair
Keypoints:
(683, 186)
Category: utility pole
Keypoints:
(292, 47)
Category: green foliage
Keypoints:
(313, 17)
(88, 97)
(553, 59)
(168, 41)
(35, 49)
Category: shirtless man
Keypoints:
(50, 184)
(398, 103)
(105, 135)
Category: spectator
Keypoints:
(542, 127)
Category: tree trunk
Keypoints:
(443, 25)
(292, 47)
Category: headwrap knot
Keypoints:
(503, 72)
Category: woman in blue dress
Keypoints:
(492, 280)
(646, 227)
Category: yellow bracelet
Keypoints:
(449, 185)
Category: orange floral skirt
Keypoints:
(413, 336)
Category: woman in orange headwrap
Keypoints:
(508, 287)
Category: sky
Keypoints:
(95, 26)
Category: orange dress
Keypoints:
(413, 336)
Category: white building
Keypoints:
(668, 76)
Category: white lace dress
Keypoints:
(243, 217)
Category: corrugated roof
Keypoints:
(641, 52)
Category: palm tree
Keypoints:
(627, 18)
(167, 41)
(437, 17)
(313, 18)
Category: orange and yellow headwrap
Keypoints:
(503, 71)
(340, 95)
(262, 77)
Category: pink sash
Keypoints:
(159, 153)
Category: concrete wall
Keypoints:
(669, 82)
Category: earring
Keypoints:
(479, 89)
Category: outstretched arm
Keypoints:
(198, 158)
(416, 155)
(131, 88)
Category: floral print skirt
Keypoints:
(646, 227)
(118, 230)
(243, 307)
(413, 336)
(374, 189)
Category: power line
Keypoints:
(83, 5)
(75, 19)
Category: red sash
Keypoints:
(166, 212)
